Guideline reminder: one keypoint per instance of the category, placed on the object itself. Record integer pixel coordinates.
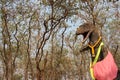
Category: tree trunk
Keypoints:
(9, 69)
(38, 72)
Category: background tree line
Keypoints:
(37, 37)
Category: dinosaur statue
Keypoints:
(89, 31)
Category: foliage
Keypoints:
(37, 43)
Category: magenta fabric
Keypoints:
(105, 69)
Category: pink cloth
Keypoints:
(105, 69)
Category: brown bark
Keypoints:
(7, 46)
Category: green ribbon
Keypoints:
(95, 60)
(98, 53)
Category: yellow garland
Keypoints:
(92, 47)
